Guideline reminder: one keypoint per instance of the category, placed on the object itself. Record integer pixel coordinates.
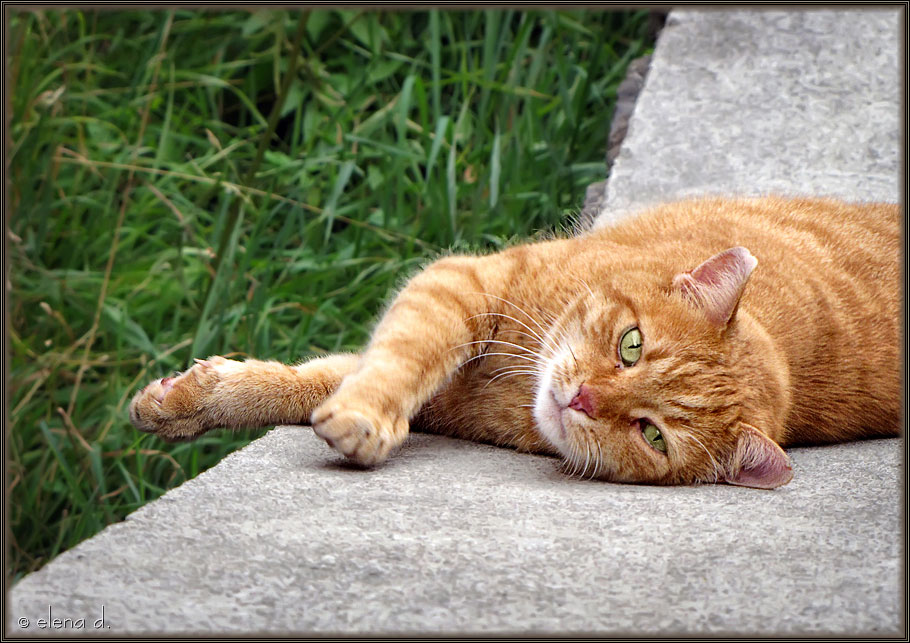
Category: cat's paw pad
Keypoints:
(174, 408)
(363, 437)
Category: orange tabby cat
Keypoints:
(687, 344)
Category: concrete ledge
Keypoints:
(758, 102)
(455, 537)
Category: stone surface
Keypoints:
(626, 95)
(455, 537)
(759, 102)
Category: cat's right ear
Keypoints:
(716, 285)
(758, 461)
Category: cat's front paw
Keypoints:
(357, 432)
(175, 408)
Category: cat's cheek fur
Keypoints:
(591, 447)
(550, 402)
(548, 418)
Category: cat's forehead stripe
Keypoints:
(612, 293)
(673, 368)
(606, 323)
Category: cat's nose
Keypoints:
(583, 401)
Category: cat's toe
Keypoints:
(359, 437)
(146, 406)
(173, 407)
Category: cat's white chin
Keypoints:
(548, 416)
(549, 411)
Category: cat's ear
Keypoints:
(758, 461)
(716, 285)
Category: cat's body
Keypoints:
(648, 351)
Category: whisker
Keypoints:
(585, 284)
(581, 444)
(575, 458)
(549, 317)
(539, 338)
(513, 330)
(713, 461)
(587, 456)
(516, 307)
(524, 357)
(506, 376)
(523, 369)
(572, 353)
(502, 368)
(494, 341)
(591, 451)
(597, 463)
(517, 321)
(552, 342)
(567, 460)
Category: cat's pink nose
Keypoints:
(583, 401)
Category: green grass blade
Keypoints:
(289, 170)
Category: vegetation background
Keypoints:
(186, 183)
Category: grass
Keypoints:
(183, 185)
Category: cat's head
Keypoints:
(661, 379)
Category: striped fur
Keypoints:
(805, 350)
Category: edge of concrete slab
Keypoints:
(816, 118)
(284, 537)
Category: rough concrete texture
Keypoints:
(761, 101)
(454, 537)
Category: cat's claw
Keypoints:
(174, 408)
(212, 362)
(359, 436)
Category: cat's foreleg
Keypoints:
(433, 326)
(223, 393)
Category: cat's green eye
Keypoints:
(630, 347)
(653, 437)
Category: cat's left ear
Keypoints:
(716, 285)
(758, 461)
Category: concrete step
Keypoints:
(766, 102)
(453, 536)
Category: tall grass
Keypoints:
(187, 183)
